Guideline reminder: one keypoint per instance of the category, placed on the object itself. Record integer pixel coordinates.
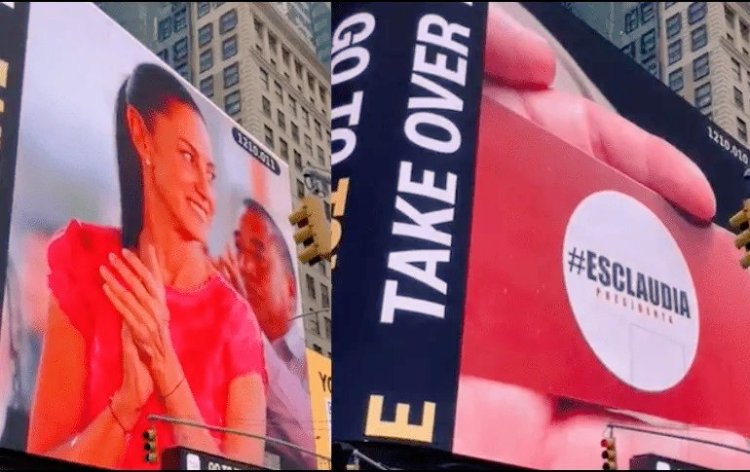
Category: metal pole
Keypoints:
(314, 312)
(170, 420)
(678, 436)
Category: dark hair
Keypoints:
(278, 238)
(150, 89)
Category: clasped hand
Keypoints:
(136, 290)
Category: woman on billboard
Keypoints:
(140, 320)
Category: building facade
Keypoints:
(313, 22)
(700, 50)
(249, 59)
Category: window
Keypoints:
(321, 268)
(164, 29)
(676, 81)
(258, 28)
(266, 106)
(301, 194)
(293, 105)
(298, 69)
(298, 160)
(284, 149)
(651, 66)
(742, 129)
(629, 49)
(310, 82)
(207, 86)
(323, 94)
(314, 323)
(306, 116)
(631, 20)
(698, 38)
(232, 102)
(326, 304)
(308, 145)
(736, 69)
(696, 12)
(729, 15)
(264, 78)
(674, 51)
(206, 60)
(738, 99)
(648, 42)
(183, 71)
(203, 8)
(744, 31)
(745, 53)
(279, 95)
(317, 130)
(205, 34)
(231, 75)
(272, 43)
(730, 38)
(317, 348)
(268, 135)
(180, 20)
(281, 120)
(700, 67)
(229, 48)
(321, 155)
(285, 56)
(674, 25)
(703, 96)
(228, 21)
(180, 50)
(668, 4)
(164, 55)
(327, 321)
(647, 11)
(295, 133)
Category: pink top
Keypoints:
(214, 331)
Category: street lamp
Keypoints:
(314, 312)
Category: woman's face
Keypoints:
(183, 172)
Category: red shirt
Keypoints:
(214, 331)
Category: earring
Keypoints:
(148, 162)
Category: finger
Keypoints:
(129, 317)
(651, 161)
(514, 54)
(137, 286)
(144, 273)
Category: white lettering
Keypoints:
(426, 187)
(362, 57)
(344, 38)
(350, 142)
(352, 110)
(404, 262)
(447, 100)
(440, 66)
(392, 301)
(433, 144)
(423, 229)
(444, 37)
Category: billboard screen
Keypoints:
(321, 383)
(599, 292)
(147, 256)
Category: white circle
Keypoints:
(614, 248)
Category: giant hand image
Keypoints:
(556, 408)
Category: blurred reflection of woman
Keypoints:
(140, 322)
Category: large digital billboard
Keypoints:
(559, 273)
(147, 257)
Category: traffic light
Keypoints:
(739, 222)
(609, 454)
(149, 439)
(314, 230)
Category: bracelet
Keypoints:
(114, 415)
(174, 389)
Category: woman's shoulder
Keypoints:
(80, 239)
